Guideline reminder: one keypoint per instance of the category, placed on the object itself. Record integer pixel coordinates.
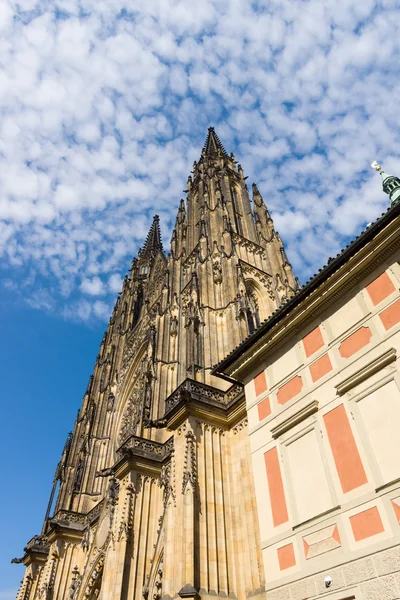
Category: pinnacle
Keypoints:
(153, 241)
(213, 144)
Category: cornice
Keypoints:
(295, 419)
(375, 365)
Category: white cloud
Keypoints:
(93, 287)
(102, 116)
(115, 283)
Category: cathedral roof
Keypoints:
(153, 241)
(213, 144)
(333, 265)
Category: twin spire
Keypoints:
(153, 241)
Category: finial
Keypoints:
(390, 184)
(376, 166)
(213, 145)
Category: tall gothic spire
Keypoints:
(213, 144)
(153, 241)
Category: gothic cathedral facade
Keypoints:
(154, 494)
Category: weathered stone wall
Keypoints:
(374, 577)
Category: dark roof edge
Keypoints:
(309, 287)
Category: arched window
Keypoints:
(252, 313)
(250, 321)
(137, 308)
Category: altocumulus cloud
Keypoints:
(104, 105)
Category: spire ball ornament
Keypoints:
(390, 184)
(376, 166)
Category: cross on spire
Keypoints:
(153, 241)
(213, 144)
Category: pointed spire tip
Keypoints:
(153, 240)
(213, 144)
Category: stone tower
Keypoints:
(154, 487)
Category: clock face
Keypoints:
(103, 531)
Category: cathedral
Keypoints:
(216, 452)
(154, 487)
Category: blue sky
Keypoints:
(104, 106)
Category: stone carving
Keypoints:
(282, 289)
(234, 392)
(110, 402)
(173, 326)
(75, 583)
(46, 578)
(190, 466)
(107, 472)
(132, 415)
(145, 446)
(132, 345)
(261, 277)
(240, 426)
(75, 517)
(78, 475)
(85, 542)
(70, 516)
(126, 522)
(216, 264)
(94, 579)
(246, 303)
(94, 513)
(210, 427)
(113, 488)
(25, 587)
(157, 594)
(167, 481)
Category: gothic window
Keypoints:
(250, 321)
(144, 269)
(137, 306)
(239, 224)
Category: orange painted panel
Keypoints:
(275, 486)
(396, 508)
(306, 547)
(260, 383)
(355, 342)
(380, 288)
(366, 524)
(320, 367)
(264, 409)
(286, 557)
(336, 536)
(391, 315)
(290, 390)
(344, 449)
(313, 341)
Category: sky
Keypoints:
(104, 106)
